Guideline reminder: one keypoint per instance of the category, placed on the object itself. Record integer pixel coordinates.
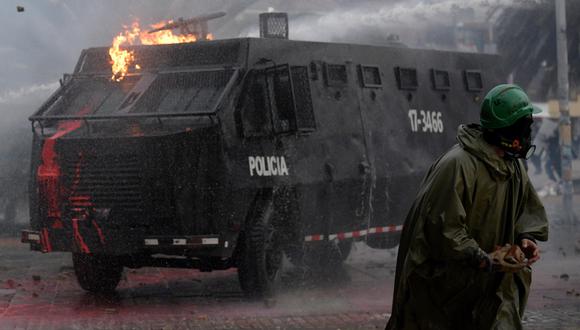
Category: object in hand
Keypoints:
(508, 259)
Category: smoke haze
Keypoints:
(44, 41)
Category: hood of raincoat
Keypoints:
(471, 140)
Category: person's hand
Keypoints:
(531, 250)
(507, 259)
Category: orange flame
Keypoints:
(122, 59)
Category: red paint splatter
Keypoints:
(45, 239)
(48, 173)
(78, 237)
(9, 284)
(57, 224)
(79, 204)
(99, 231)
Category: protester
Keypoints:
(475, 198)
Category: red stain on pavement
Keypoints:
(9, 284)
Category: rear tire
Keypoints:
(385, 241)
(261, 256)
(344, 247)
(319, 256)
(97, 273)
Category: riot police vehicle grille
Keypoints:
(223, 52)
(304, 110)
(113, 181)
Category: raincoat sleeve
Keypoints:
(533, 223)
(448, 196)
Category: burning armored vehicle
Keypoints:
(230, 153)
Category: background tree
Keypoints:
(526, 37)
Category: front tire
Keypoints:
(97, 273)
(261, 259)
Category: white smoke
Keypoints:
(25, 94)
(401, 17)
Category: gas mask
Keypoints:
(514, 140)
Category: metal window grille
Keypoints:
(370, 76)
(440, 80)
(304, 111)
(110, 180)
(473, 80)
(274, 25)
(314, 71)
(335, 74)
(406, 78)
(184, 92)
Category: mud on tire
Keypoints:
(97, 273)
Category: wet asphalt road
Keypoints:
(39, 291)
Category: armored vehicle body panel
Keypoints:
(227, 153)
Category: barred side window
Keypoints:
(254, 113)
(305, 120)
(277, 100)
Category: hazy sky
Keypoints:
(40, 44)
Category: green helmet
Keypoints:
(504, 105)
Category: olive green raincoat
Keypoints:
(471, 199)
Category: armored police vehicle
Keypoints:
(230, 153)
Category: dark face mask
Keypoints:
(515, 140)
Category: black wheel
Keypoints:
(97, 273)
(244, 271)
(295, 253)
(323, 257)
(385, 241)
(344, 248)
(261, 256)
(319, 256)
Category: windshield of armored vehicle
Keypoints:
(96, 95)
(183, 92)
(174, 92)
